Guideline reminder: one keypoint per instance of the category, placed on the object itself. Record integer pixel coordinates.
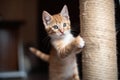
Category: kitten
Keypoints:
(62, 58)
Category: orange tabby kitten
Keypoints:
(62, 58)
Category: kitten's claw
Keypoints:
(82, 43)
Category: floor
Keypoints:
(35, 76)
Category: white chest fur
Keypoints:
(67, 39)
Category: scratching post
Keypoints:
(98, 31)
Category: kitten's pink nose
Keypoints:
(61, 31)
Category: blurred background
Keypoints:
(21, 27)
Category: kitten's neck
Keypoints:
(68, 37)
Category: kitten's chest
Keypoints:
(63, 42)
(68, 39)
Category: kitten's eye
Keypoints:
(55, 27)
(64, 24)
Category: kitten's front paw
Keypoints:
(80, 42)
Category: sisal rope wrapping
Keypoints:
(98, 30)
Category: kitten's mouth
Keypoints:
(62, 34)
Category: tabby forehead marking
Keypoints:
(57, 18)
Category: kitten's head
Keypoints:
(58, 25)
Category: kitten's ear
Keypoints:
(46, 18)
(64, 12)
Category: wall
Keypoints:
(25, 10)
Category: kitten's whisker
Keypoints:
(47, 37)
(46, 41)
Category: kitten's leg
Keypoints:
(76, 50)
(80, 43)
(75, 47)
(76, 74)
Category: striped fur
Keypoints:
(40, 54)
(62, 58)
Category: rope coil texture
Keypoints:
(98, 30)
